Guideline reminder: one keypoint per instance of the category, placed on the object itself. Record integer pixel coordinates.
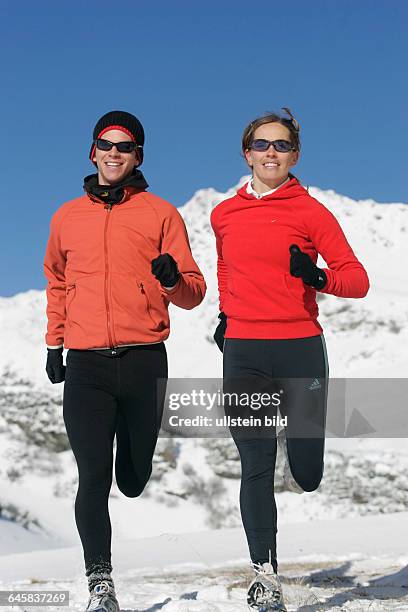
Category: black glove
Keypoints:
(165, 269)
(55, 366)
(302, 266)
(220, 331)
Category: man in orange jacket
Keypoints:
(116, 257)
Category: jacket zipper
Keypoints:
(69, 289)
(142, 289)
(108, 207)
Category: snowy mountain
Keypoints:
(195, 482)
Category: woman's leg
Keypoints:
(294, 365)
(143, 373)
(257, 499)
(247, 369)
(90, 412)
(301, 366)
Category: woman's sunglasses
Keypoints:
(127, 146)
(282, 146)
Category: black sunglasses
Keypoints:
(282, 146)
(127, 146)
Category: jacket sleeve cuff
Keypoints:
(321, 280)
(172, 289)
(328, 284)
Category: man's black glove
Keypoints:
(220, 331)
(55, 366)
(165, 269)
(302, 266)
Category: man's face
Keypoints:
(113, 166)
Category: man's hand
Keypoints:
(303, 267)
(55, 366)
(165, 269)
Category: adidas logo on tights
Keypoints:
(315, 385)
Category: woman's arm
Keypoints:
(221, 274)
(221, 267)
(346, 276)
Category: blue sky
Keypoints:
(195, 73)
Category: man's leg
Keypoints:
(90, 412)
(141, 404)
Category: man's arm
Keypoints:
(190, 288)
(54, 270)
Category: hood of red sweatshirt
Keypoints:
(291, 189)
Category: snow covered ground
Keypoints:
(343, 547)
(347, 564)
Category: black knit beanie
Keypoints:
(120, 120)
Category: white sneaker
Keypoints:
(265, 590)
(103, 598)
(289, 482)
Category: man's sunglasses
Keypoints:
(282, 146)
(127, 146)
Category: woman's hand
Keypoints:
(220, 331)
(303, 267)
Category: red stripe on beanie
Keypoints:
(116, 127)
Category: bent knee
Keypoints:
(133, 486)
(309, 483)
(132, 490)
(133, 482)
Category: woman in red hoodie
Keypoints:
(268, 239)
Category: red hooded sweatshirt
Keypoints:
(257, 292)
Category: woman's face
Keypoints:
(270, 168)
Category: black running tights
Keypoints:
(299, 367)
(104, 397)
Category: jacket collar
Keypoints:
(115, 194)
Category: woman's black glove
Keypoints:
(55, 366)
(302, 266)
(220, 331)
(165, 269)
